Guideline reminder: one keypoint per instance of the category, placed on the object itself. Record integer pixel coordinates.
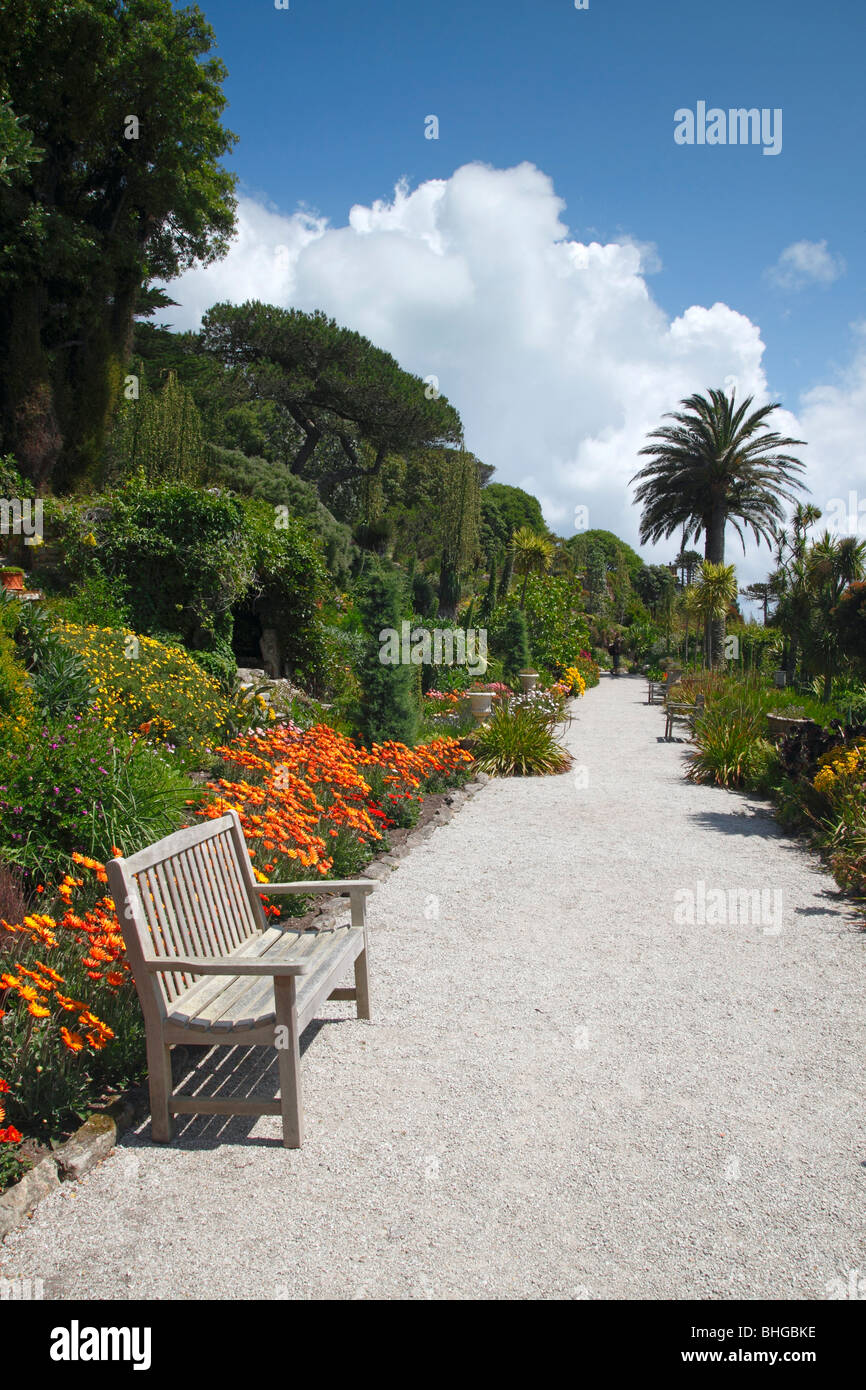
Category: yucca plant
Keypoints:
(732, 748)
(518, 742)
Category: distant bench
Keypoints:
(209, 969)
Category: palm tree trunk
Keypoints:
(714, 551)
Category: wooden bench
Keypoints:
(657, 691)
(210, 969)
(682, 712)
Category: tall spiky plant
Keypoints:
(717, 463)
(713, 595)
(532, 555)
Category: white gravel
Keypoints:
(566, 1092)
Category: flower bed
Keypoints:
(312, 805)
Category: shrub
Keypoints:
(513, 644)
(388, 708)
(289, 587)
(179, 554)
(16, 705)
(517, 742)
(732, 748)
(588, 669)
(95, 599)
(219, 664)
(555, 620)
(145, 686)
(75, 786)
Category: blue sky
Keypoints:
(329, 100)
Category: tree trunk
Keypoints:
(714, 552)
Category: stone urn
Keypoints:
(778, 725)
(528, 680)
(480, 702)
(13, 579)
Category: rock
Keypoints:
(19, 1201)
(87, 1147)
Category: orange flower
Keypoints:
(10, 1135)
(73, 1041)
(52, 974)
(38, 1011)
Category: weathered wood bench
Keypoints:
(657, 691)
(682, 712)
(210, 969)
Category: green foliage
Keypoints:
(96, 214)
(95, 599)
(272, 482)
(555, 620)
(181, 557)
(504, 510)
(510, 640)
(850, 616)
(458, 511)
(425, 601)
(140, 682)
(717, 463)
(157, 436)
(15, 698)
(17, 149)
(11, 482)
(289, 584)
(732, 748)
(608, 546)
(219, 664)
(518, 742)
(329, 381)
(588, 668)
(388, 708)
(73, 786)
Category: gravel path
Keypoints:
(570, 1089)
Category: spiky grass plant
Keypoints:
(517, 742)
(732, 748)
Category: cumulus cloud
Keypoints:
(806, 263)
(833, 419)
(553, 350)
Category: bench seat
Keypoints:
(233, 1004)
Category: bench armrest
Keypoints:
(224, 965)
(321, 885)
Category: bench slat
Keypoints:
(235, 999)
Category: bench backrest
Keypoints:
(191, 894)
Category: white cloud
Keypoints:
(553, 350)
(806, 263)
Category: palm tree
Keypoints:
(532, 555)
(831, 565)
(789, 581)
(714, 593)
(717, 463)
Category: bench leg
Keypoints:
(289, 1063)
(159, 1077)
(362, 985)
